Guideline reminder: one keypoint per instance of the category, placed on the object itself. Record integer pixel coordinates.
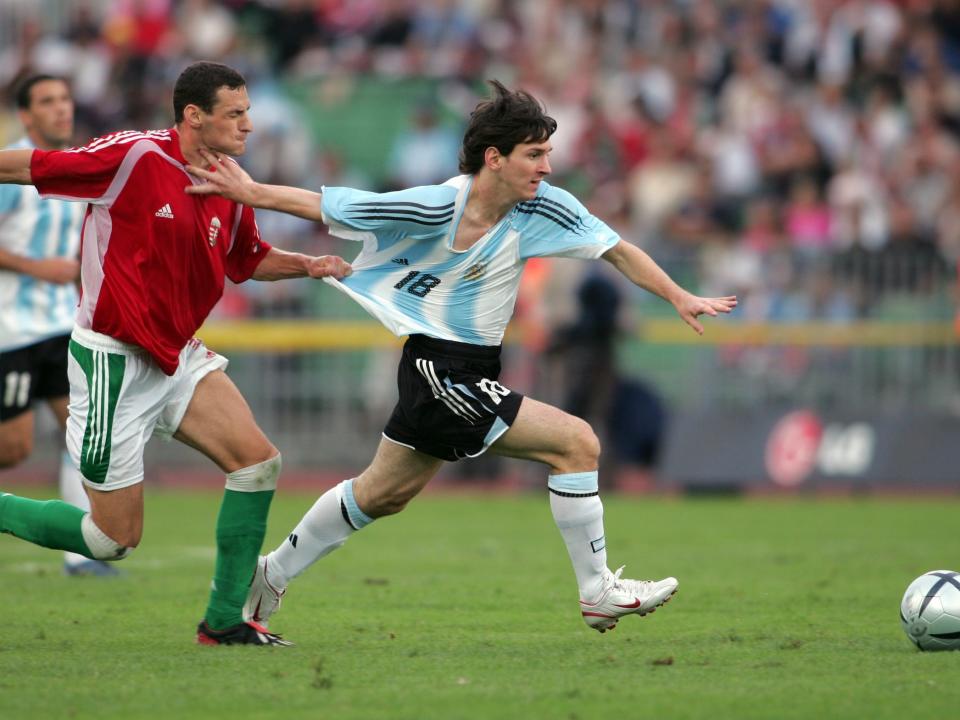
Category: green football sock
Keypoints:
(241, 526)
(49, 523)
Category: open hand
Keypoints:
(690, 307)
(224, 177)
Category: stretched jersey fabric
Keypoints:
(153, 259)
(409, 276)
(33, 310)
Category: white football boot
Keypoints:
(263, 599)
(624, 597)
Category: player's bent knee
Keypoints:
(101, 545)
(583, 447)
(256, 478)
(592, 448)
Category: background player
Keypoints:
(153, 263)
(442, 264)
(39, 271)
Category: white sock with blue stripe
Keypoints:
(578, 512)
(333, 518)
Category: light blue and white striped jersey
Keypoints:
(32, 310)
(411, 279)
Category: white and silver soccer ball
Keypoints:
(930, 611)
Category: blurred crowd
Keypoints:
(800, 153)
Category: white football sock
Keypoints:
(71, 491)
(333, 518)
(578, 512)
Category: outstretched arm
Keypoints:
(280, 265)
(231, 181)
(15, 167)
(641, 270)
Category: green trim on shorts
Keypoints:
(104, 372)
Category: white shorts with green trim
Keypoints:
(119, 398)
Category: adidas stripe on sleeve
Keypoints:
(413, 213)
(96, 172)
(558, 225)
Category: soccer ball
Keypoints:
(930, 611)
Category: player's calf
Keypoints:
(58, 525)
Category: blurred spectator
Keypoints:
(700, 218)
(788, 150)
(628, 414)
(290, 26)
(661, 183)
(832, 123)
(947, 222)
(760, 142)
(808, 220)
(857, 199)
(633, 132)
(762, 228)
(426, 152)
(442, 22)
(209, 29)
(597, 150)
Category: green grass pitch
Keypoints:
(465, 607)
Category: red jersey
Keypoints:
(153, 258)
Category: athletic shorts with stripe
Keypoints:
(451, 405)
(31, 373)
(119, 398)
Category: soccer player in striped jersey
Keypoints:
(442, 264)
(153, 265)
(39, 271)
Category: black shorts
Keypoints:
(451, 405)
(34, 372)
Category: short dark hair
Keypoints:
(198, 85)
(23, 89)
(506, 120)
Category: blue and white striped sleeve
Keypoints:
(559, 225)
(413, 212)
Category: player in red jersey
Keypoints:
(153, 263)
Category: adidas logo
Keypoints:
(165, 212)
(401, 261)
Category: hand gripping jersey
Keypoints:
(33, 310)
(409, 276)
(153, 259)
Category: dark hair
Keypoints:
(24, 88)
(503, 122)
(198, 85)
